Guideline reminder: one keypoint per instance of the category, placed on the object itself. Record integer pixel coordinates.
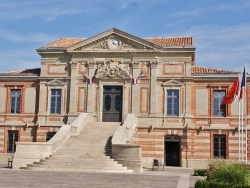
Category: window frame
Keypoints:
(221, 153)
(60, 100)
(9, 88)
(15, 105)
(222, 109)
(172, 107)
(56, 84)
(13, 139)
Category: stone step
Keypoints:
(77, 163)
(101, 149)
(82, 152)
(84, 166)
(63, 158)
(87, 138)
(79, 170)
(84, 148)
(87, 144)
(77, 160)
(71, 155)
(87, 152)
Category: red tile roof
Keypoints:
(194, 70)
(171, 41)
(174, 41)
(35, 71)
(64, 42)
(204, 70)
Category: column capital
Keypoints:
(135, 64)
(73, 64)
(91, 64)
(154, 64)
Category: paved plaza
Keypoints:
(147, 179)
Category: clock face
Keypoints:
(114, 43)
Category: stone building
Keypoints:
(113, 74)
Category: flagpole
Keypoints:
(242, 129)
(245, 113)
(239, 130)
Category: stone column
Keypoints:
(42, 102)
(91, 89)
(153, 89)
(72, 92)
(135, 97)
(187, 100)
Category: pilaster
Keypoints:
(91, 89)
(72, 98)
(135, 89)
(42, 102)
(153, 88)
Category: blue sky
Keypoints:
(221, 28)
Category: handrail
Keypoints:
(129, 155)
(125, 132)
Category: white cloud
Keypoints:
(47, 10)
(19, 59)
(220, 46)
(28, 38)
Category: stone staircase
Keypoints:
(89, 151)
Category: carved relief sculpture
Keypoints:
(117, 70)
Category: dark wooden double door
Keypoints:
(172, 151)
(112, 103)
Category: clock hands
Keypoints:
(115, 42)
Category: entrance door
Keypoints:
(112, 104)
(172, 151)
(12, 139)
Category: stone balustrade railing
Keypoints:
(29, 152)
(128, 155)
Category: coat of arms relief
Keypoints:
(113, 69)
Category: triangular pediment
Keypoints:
(55, 83)
(172, 83)
(113, 40)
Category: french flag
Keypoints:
(89, 80)
(242, 84)
(134, 81)
(141, 75)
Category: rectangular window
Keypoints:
(49, 135)
(173, 102)
(55, 103)
(220, 146)
(15, 101)
(219, 110)
(12, 139)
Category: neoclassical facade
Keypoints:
(113, 74)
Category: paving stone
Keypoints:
(147, 179)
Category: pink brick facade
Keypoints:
(187, 137)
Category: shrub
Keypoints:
(222, 173)
(200, 172)
(214, 184)
(233, 173)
